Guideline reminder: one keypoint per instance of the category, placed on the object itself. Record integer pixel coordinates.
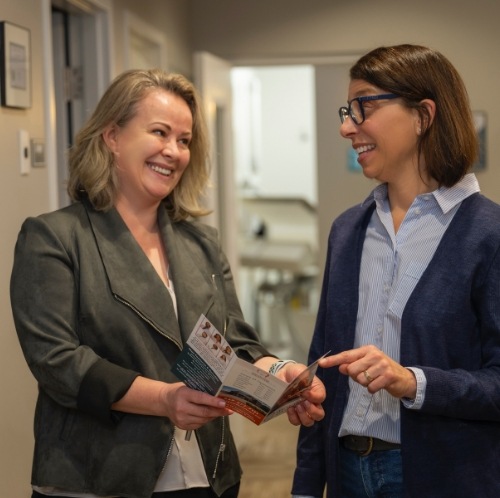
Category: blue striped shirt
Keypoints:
(391, 266)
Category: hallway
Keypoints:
(268, 460)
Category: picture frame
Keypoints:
(15, 66)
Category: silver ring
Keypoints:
(368, 377)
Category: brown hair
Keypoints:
(449, 146)
(91, 163)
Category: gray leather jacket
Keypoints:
(91, 314)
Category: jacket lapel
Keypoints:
(191, 275)
(132, 278)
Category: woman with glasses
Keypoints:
(410, 305)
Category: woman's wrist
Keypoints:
(278, 365)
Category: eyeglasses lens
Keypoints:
(356, 111)
(343, 113)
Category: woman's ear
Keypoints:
(427, 115)
(109, 135)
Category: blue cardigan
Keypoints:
(451, 330)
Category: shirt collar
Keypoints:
(446, 197)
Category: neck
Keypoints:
(404, 193)
(401, 197)
(139, 219)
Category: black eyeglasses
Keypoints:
(355, 108)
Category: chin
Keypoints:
(368, 174)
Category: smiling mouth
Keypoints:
(364, 148)
(158, 169)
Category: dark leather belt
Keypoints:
(364, 445)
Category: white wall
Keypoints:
(275, 131)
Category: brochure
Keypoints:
(207, 363)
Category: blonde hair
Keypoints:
(91, 163)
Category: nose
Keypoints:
(170, 148)
(348, 127)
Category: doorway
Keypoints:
(78, 63)
(274, 127)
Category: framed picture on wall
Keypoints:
(15, 65)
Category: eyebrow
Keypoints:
(368, 90)
(169, 127)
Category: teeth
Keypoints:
(162, 171)
(364, 148)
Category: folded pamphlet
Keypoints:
(208, 363)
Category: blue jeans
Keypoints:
(378, 475)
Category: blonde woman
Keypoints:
(104, 294)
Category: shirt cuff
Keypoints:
(416, 404)
(304, 496)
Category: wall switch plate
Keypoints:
(37, 153)
(24, 152)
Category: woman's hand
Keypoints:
(186, 408)
(310, 410)
(373, 369)
(189, 409)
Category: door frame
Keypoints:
(134, 26)
(100, 12)
(212, 79)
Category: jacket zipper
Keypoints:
(214, 283)
(222, 448)
(178, 344)
(220, 454)
(171, 445)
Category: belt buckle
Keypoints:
(369, 449)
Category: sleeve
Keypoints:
(416, 404)
(44, 299)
